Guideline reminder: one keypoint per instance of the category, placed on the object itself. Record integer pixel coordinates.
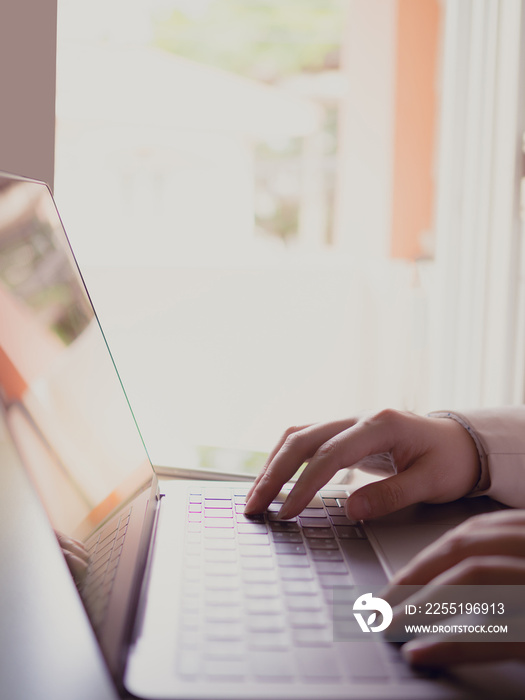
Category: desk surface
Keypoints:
(48, 650)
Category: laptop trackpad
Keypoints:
(400, 536)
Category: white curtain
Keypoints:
(476, 306)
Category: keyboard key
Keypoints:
(333, 580)
(220, 555)
(339, 494)
(318, 664)
(308, 620)
(222, 583)
(348, 532)
(220, 569)
(363, 661)
(241, 518)
(255, 563)
(314, 543)
(295, 573)
(194, 517)
(301, 602)
(261, 590)
(281, 497)
(218, 513)
(326, 555)
(220, 504)
(287, 537)
(224, 669)
(224, 650)
(289, 548)
(252, 528)
(218, 522)
(218, 597)
(313, 513)
(193, 538)
(313, 637)
(265, 623)
(330, 503)
(258, 539)
(217, 613)
(284, 526)
(300, 587)
(274, 507)
(196, 498)
(191, 639)
(220, 543)
(190, 621)
(341, 520)
(268, 576)
(269, 641)
(292, 560)
(275, 517)
(331, 567)
(336, 510)
(217, 494)
(263, 606)
(223, 631)
(272, 665)
(255, 550)
(314, 522)
(219, 534)
(189, 663)
(318, 533)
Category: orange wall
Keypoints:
(418, 26)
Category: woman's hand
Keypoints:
(436, 461)
(76, 556)
(486, 550)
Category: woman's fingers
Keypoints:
(392, 494)
(75, 547)
(468, 540)
(438, 454)
(77, 565)
(295, 447)
(466, 582)
(273, 453)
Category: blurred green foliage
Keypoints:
(262, 39)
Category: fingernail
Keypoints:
(284, 513)
(249, 506)
(359, 507)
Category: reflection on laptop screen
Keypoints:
(77, 436)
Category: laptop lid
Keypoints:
(62, 400)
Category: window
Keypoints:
(276, 180)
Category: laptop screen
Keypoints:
(60, 393)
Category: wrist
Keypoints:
(481, 479)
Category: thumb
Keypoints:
(388, 495)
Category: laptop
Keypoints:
(188, 597)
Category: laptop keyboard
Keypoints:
(104, 549)
(258, 592)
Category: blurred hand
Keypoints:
(485, 550)
(76, 556)
(436, 461)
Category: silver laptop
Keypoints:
(187, 596)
